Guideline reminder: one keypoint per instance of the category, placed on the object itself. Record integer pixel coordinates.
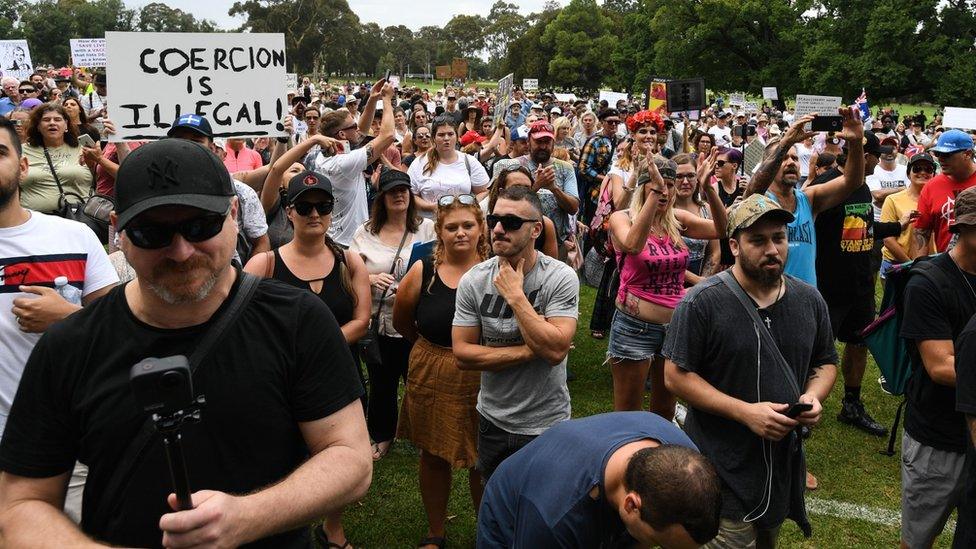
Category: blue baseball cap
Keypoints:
(952, 141)
(520, 133)
(193, 122)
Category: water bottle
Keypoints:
(67, 291)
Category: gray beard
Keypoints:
(170, 298)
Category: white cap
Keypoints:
(556, 110)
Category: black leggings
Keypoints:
(384, 380)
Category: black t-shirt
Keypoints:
(723, 243)
(284, 361)
(845, 240)
(936, 313)
(966, 404)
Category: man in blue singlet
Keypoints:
(779, 174)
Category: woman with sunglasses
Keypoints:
(513, 176)
(615, 194)
(418, 119)
(443, 170)
(393, 220)
(652, 258)
(313, 261)
(421, 144)
(921, 169)
(439, 414)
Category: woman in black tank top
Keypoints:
(438, 413)
(313, 261)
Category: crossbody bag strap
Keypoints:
(396, 256)
(137, 448)
(778, 359)
(54, 172)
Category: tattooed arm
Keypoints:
(767, 171)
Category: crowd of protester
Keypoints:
(435, 242)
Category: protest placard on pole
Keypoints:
(505, 86)
(686, 95)
(770, 93)
(738, 99)
(750, 106)
(443, 72)
(960, 118)
(530, 83)
(565, 97)
(612, 97)
(15, 59)
(235, 80)
(87, 52)
(291, 82)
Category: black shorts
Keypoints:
(849, 316)
(495, 444)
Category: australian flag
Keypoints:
(862, 103)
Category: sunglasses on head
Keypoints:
(153, 236)
(305, 208)
(509, 222)
(448, 199)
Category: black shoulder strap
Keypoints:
(147, 433)
(760, 326)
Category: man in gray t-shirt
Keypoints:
(514, 320)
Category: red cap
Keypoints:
(470, 137)
(541, 128)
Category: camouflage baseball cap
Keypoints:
(964, 210)
(751, 209)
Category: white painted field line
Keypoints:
(844, 510)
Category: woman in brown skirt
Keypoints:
(438, 413)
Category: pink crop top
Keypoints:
(656, 274)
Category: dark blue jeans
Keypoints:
(495, 444)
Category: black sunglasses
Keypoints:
(720, 163)
(158, 235)
(923, 169)
(448, 199)
(27, 90)
(305, 208)
(943, 155)
(509, 222)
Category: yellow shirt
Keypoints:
(895, 206)
(39, 192)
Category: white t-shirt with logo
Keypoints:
(345, 171)
(34, 254)
(722, 136)
(883, 179)
(459, 177)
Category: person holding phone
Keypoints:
(740, 390)
(54, 154)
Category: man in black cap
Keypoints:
(282, 423)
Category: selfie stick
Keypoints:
(169, 426)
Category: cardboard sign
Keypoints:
(753, 155)
(737, 99)
(505, 88)
(959, 117)
(87, 52)
(15, 59)
(235, 80)
(459, 68)
(823, 104)
(612, 97)
(291, 82)
(443, 72)
(686, 95)
(770, 93)
(530, 83)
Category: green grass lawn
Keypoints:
(847, 463)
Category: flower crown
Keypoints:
(644, 118)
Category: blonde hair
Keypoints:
(479, 217)
(560, 123)
(668, 221)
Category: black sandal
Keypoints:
(440, 542)
(323, 540)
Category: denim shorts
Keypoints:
(634, 339)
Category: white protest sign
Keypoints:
(291, 81)
(530, 83)
(15, 59)
(823, 104)
(750, 106)
(612, 97)
(959, 117)
(565, 97)
(236, 81)
(505, 86)
(394, 81)
(87, 52)
(737, 99)
(770, 93)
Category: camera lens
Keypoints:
(170, 380)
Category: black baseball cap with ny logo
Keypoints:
(171, 172)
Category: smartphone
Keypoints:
(827, 123)
(799, 407)
(387, 77)
(85, 140)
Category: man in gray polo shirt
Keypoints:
(514, 320)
